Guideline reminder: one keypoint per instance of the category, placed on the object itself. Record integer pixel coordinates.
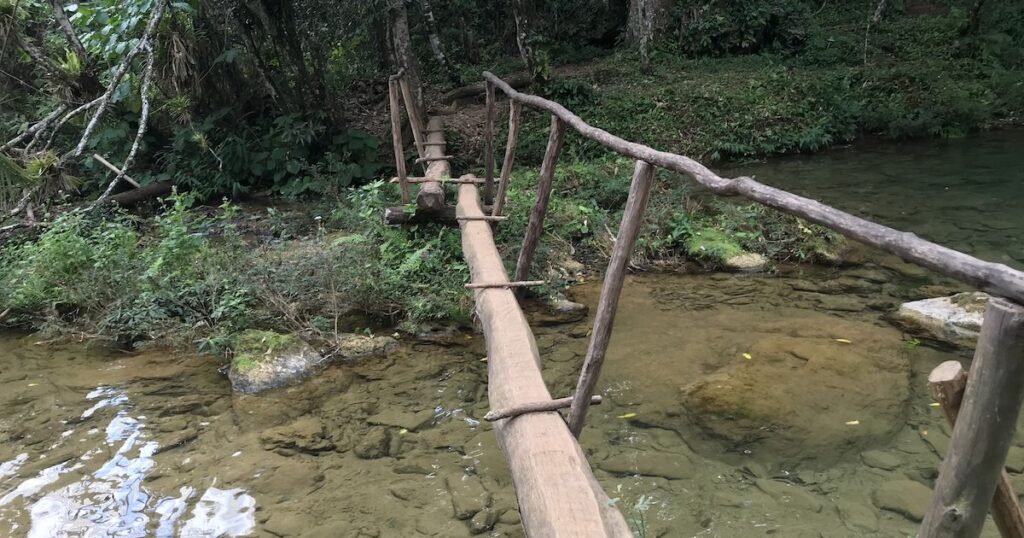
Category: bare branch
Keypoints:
(147, 80)
(125, 64)
(68, 116)
(69, 32)
(31, 131)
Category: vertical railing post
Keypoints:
(489, 147)
(948, 381)
(396, 139)
(540, 207)
(629, 229)
(514, 112)
(415, 120)
(984, 427)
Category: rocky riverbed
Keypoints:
(735, 406)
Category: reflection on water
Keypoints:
(963, 193)
(98, 490)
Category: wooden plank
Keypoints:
(615, 276)
(540, 207)
(948, 381)
(514, 113)
(431, 195)
(557, 492)
(984, 427)
(399, 215)
(474, 181)
(995, 278)
(499, 283)
(415, 120)
(99, 158)
(489, 146)
(396, 139)
(535, 407)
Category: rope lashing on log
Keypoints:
(535, 407)
(494, 218)
(995, 278)
(432, 159)
(513, 284)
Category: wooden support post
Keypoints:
(415, 120)
(515, 111)
(396, 139)
(535, 407)
(629, 229)
(948, 381)
(540, 207)
(984, 428)
(557, 492)
(431, 195)
(489, 146)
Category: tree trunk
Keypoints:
(435, 42)
(646, 20)
(402, 46)
(69, 32)
(974, 17)
(522, 11)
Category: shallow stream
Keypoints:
(736, 406)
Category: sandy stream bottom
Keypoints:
(736, 406)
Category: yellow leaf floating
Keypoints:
(627, 415)
(843, 341)
(483, 359)
(747, 356)
(934, 404)
(852, 422)
(403, 431)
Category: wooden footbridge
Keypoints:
(557, 492)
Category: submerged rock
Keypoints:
(809, 390)
(956, 319)
(468, 494)
(649, 463)
(558, 310)
(303, 435)
(904, 497)
(374, 444)
(267, 360)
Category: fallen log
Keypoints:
(473, 90)
(431, 195)
(146, 192)
(394, 216)
(557, 492)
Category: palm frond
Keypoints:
(13, 179)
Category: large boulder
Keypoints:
(267, 360)
(955, 319)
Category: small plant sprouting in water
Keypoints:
(912, 343)
(637, 515)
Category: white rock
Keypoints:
(956, 319)
(747, 263)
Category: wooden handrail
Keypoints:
(996, 278)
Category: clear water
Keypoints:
(814, 408)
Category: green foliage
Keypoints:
(741, 26)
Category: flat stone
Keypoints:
(468, 494)
(839, 303)
(789, 495)
(649, 463)
(304, 435)
(747, 262)
(857, 516)
(880, 460)
(956, 319)
(402, 419)
(905, 497)
(557, 311)
(483, 521)
(350, 347)
(374, 444)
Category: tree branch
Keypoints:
(40, 125)
(69, 31)
(158, 12)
